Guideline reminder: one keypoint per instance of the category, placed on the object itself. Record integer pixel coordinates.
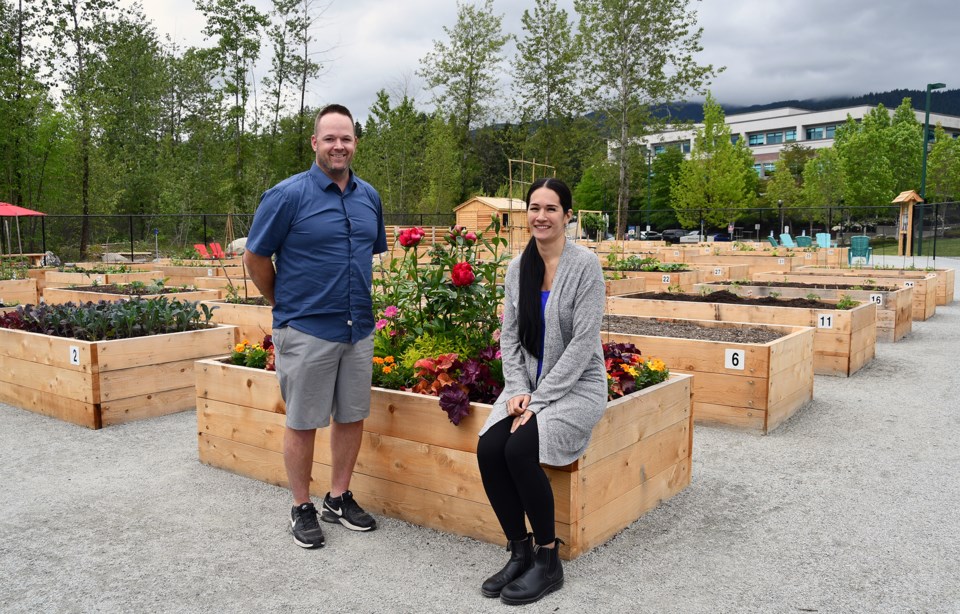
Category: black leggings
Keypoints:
(514, 480)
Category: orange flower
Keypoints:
(387, 370)
(377, 360)
(388, 360)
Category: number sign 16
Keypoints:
(877, 298)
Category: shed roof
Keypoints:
(500, 204)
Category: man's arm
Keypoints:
(261, 271)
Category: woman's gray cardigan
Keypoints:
(571, 395)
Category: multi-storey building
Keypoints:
(768, 132)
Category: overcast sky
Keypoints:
(772, 49)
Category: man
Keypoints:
(323, 226)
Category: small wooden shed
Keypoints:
(906, 200)
(475, 214)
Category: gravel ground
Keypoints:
(853, 505)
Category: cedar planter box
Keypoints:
(60, 279)
(244, 287)
(21, 291)
(416, 466)
(99, 383)
(924, 285)
(756, 262)
(844, 342)
(894, 306)
(184, 275)
(722, 272)
(58, 296)
(627, 285)
(749, 386)
(657, 281)
(945, 277)
(252, 322)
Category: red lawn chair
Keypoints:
(202, 250)
(217, 251)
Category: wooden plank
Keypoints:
(139, 351)
(119, 384)
(51, 404)
(258, 388)
(686, 355)
(253, 322)
(53, 379)
(48, 350)
(741, 418)
(149, 405)
(19, 291)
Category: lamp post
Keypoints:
(780, 207)
(649, 174)
(923, 168)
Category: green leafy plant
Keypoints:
(254, 355)
(775, 294)
(13, 268)
(847, 302)
(813, 296)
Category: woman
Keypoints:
(555, 391)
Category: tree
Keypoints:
(823, 181)
(441, 167)
(795, 156)
(463, 72)
(783, 188)
(715, 184)
(665, 169)
(943, 168)
(863, 150)
(906, 148)
(545, 75)
(641, 56)
(597, 189)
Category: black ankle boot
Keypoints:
(544, 577)
(521, 559)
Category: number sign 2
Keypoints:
(74, 355)
(733, 359)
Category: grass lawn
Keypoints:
(948, 247)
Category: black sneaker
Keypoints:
(348, 513)
(304, 526)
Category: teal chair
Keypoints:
(823, 240)
(773, 242)
(786, 240)
(859, 248)
(804, 241)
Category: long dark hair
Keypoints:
(532, 269)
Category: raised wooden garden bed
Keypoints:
(57, 296)
(894, 303)
(749, 386)
(756, 262)
(657, 281)
(20, 291)
(416, 466)
(182, 275)
(627, 285)
(945, 277)
(244, 287)
(924, 286)
(252, 322)
(60, 279)
(99, 383)
(721, 272)
(844, 342)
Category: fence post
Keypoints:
(130, 218)
(204, 216)
(43, 233)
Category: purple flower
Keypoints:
(455, 402)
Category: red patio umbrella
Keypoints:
(8, 210)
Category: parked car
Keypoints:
(673, 234)
(691, 237)
(722, 236)
(650, 235)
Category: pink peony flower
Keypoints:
(462, 274)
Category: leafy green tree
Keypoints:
(943, 168)
(545, 76)
(463, 72)
(863, 149)
(441, 167)
(641, 54)
(597, 189)
(665, 169)
(796, 156)
(784, 188)
(715, 184)
(906, 148)
(823, 181)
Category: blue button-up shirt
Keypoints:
(324, 241)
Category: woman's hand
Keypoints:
(518, 404)
(520, 420)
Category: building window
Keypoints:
(734, 138)
(790, 135)
(814, 134)
(774, 138)
(756, 139)
(758, 168)
(658, 149)
(506, 219)
(685, 147)
(769, 168)
(831, 130)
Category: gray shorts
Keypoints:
(322, 379)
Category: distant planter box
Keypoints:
(749, 386)
(181, 275)
(657, 281)
(244, 287)
(99, 383)
(252, 322)
(756, 262)
(627, 285)
(894, 307)
(416, 466)
(844, 342)
(721, 272)
(923, 285)
(20, 291)
(945, 278)
(60, 279)
(58, 296)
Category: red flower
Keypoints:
(411, 237)
(462, 274)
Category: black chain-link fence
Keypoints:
(936, 229)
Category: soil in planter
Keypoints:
(630, 325)
(812, 286)
(127, 290)
(253, 300)
(725, 296)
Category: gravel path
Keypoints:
(851, 506)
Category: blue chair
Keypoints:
(786, 240)
(859, 248)
(773, 242)
(804, 241)
(823, 240)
